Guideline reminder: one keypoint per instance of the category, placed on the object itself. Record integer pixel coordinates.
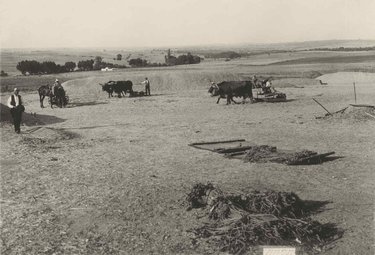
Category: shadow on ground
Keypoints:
(79, 104)
(314, 207)
(154, 95)
(274, 102)
(28, 118)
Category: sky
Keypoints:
(158, 23)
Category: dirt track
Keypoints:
(107, 176)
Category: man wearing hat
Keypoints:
(146, 82)
(55, 86)
(16, 109)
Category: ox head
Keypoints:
(108, 86)
(214, 89)
(103, 86)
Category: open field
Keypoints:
(108, 176)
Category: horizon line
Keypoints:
(180, 46)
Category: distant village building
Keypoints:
(106, 69)
(181, 59)
(169, 59)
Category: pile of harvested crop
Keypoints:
(238, 222)
(355, 113)
(265, 153)
(285, 204)
(261, 153)
(239, 235)
(198, 195)
(273, 202)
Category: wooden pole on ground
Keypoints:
(355, 94)
(322, 106)
(215, 142)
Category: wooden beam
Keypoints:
(235, 149)
(363, 105)
(216, 142)
(322, 106)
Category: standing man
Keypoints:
(16, 109)
(146, 82)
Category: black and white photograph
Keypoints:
(187, 127)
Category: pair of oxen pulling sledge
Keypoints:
(244, 89)
(121, 88)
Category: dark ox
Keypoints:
(230, 89)
(118, 87)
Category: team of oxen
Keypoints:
(225, 89)
(230, 89)
(118, 87)
(264, 93)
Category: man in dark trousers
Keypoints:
(16, 109)
(146, 82)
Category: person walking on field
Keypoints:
(146, 82)
(16, 109)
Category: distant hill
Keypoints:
(307, 45)
(323, 44)
(330, 59)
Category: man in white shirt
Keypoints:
(16, 109)
(268, 88)
(146, 82)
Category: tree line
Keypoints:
(46, 67)
(225, 54)
(139, 62)
(49, 67)
(33, 67)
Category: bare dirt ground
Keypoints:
(108, 176)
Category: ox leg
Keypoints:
(251, 98)
(244, 99)
(41, 98)
(230, 98)
(218, 100)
